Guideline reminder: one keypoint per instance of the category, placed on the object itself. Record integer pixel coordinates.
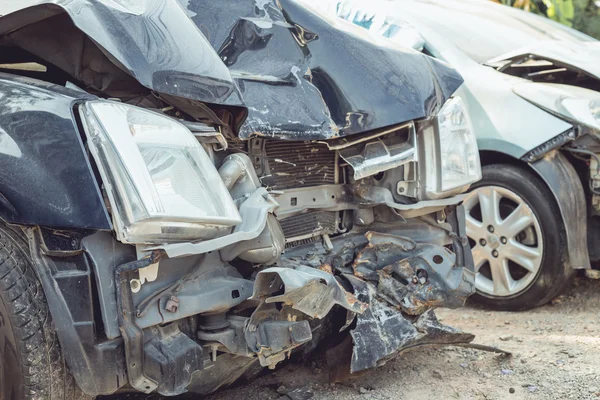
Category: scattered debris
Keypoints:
(282, 389)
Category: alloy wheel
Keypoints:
(506, 241)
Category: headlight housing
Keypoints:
(449, 148)
(161, 184)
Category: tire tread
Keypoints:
(43, 370)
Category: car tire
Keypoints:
(31, 362)
(528, 268)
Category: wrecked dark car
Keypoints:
(175, 217)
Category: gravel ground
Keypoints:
(556, 355)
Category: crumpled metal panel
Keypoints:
(154, 41)
(413, 277)
(375, 156)
(308, 290)
(382, 331)
(341, 80)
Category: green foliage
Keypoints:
(587, 17)
(583, 15)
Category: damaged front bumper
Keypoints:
(393, 286)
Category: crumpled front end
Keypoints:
(389, 291)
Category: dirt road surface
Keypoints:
(556, 355)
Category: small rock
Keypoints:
(523, 361)
(464, 365)
(506, 322)
(506, 371)
(300, 394)
(436, 374)
(511, 390)
(487, 375)
(363, 390)
(593, 389)
(560, 362)
(282, 389)
(505, 338)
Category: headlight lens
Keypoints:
(161, 183)
(458, 147)
(448, 152)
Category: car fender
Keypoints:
(562, 179)
(46, 177)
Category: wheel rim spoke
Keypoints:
(480, 257)
(503, 281)
(517, 221)
(489, 201)
(474, 228)
(527, 257)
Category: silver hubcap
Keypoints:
(506, 241)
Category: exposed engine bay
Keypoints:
(332, 246)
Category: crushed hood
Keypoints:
(153, 41)
(307, 75)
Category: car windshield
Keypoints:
(482, 29)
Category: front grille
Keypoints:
(298, 164)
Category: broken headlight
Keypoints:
(161, 184)
(449, 149)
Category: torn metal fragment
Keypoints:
(413, 277)
(382, 331)
(308, 290)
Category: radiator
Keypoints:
(286, 165)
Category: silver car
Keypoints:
(531, 86)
